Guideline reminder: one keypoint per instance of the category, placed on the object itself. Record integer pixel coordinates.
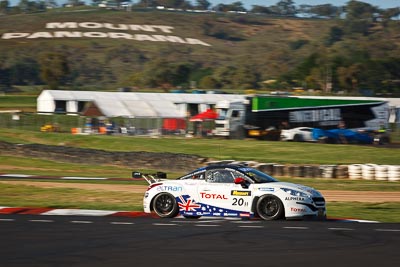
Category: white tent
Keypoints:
(127, 104)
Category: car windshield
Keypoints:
(258, 176)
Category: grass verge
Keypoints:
(381, 212)
(32, 196)
(261, 151)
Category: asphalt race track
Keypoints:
(31, 240)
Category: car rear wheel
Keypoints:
(270, 208)
(165, 205)
(298, 138)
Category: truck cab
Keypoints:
(231, 118)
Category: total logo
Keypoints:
(212, 196)
(297, 210)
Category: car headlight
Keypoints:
(295, 193)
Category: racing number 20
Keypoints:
(238, 202)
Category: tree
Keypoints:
(348, 77)
(235, 6)
(181, 73)
(5, 82)
(360, 10)
(54, 69)
(245, 77)
(203, 4)
(261, 9)
(147, 3)
(208, 82)
(285, 8)
(170, 3)
(25, 71)
(326, 10)
(164, 74)
(225, 76)
(335, 35)
(389, 14)
(4, 6)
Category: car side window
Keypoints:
(219, 176)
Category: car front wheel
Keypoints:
(165, 205)
(270, 208)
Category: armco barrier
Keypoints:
(394, 173)
(355, 172)
(328, 171)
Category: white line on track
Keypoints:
(340, 229)
(45, 221)
(82, 178)
(387, 230)
(122, 223)
(7, 220)
(164, 224)
(213, 221)
(251, 226)
(81, 222)
(246, 222)
(16, 175)
(185, 221)
(296, 227)
(207, 225)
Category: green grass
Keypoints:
(34, 166)
(254, 150)
(24, 102)
(382, 212)
(31, 196)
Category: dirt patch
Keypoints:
(360, 196)
(330, 195)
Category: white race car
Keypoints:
(230, 191)
(299, 134)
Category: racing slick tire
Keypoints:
(165, 206)
(298, 138)
(270, 208)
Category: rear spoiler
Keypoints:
(150, 178)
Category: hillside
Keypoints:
(104, 49)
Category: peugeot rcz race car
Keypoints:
(230, 191)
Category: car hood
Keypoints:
(275, 186)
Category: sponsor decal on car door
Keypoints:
(224, 197)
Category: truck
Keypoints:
(264, 116)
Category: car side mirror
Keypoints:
(241, 181)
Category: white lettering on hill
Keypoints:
(97, 31)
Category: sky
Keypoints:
(249, 3)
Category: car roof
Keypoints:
(213, 167)
(223, 166)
